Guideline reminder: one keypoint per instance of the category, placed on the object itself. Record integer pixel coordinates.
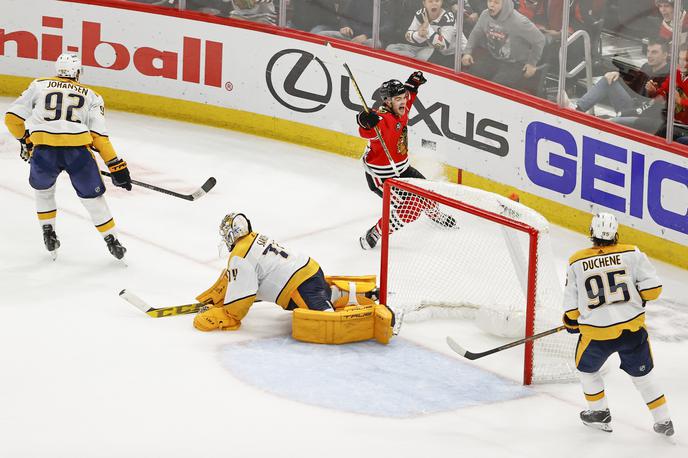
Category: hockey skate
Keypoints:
(599, 419)
(665, 428)
(370, 239)
(50, 240)
(116, 249)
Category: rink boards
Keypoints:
(285, 84)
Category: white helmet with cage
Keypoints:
(233, 227)
(68, 65)
(604, 226)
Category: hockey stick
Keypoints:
(200, 192)
(467, 354)
(140, 304)
(365, 106)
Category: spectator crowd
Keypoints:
(514, 43)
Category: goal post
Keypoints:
(449, 248)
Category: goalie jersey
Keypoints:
(61, 112)
(260, 269)
(607, 288)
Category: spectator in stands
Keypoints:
(432, 29)
(315, 15)
(681, 103)
(666, 29)
(356, 23)
(628, 97)
(504, 46)
(471, 13)
(254, 10)
(547, 17)
(402, 13)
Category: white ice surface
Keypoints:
(84, 374)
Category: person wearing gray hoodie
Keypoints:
(504, 46)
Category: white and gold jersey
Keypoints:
(260, 269)
(606, 290)
(60, 112)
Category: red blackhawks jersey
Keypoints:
(395, 134)
(682, 102)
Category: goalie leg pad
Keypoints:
(351, 324)
(351, 290)
(384, 323)
(216, 293)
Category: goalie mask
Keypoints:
(604, 227)
(68, 65)
(233, 227)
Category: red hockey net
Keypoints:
(454, 251)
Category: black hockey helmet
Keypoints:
(391, 88)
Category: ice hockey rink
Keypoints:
(85, 374)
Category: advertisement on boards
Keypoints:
(284, 77)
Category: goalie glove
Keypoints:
(368, 119)
(414, 81)
(26, 147)
(572, 326)
(119, 173)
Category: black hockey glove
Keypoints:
(119, 174)
(26, 147)
(572, 326)
(415, 80)
(368, 119)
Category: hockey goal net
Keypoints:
(453, 251)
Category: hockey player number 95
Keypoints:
(53, 102)
(606, 288)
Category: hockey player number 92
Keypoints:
(53, 102)
(606, 288)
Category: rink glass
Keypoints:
(600, 36)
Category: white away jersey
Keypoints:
(441, 32)
(606, 290)
(60, 112)
(259, 266)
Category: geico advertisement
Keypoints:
(300, 81)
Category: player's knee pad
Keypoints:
(352, 290)
(350, 324)
(592, 381)
(216, 293)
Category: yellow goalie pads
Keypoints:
(352, 290)
(350, 324)
(216, 293)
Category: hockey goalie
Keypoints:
(331, 310)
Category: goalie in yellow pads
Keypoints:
(327, 309)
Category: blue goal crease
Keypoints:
(398, 380)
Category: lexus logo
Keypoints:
(287, 93)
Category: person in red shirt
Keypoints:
(666, 29)
(391, 119)
(681, 95)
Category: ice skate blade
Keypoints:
(606, 427)
(53, 255)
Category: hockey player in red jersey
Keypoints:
(391, 120)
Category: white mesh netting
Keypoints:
(447, 262)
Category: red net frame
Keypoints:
(479, 212)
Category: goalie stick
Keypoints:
(200, 192)
(140, 304)
(469, 355)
